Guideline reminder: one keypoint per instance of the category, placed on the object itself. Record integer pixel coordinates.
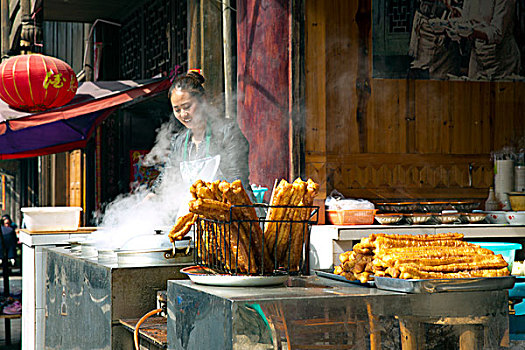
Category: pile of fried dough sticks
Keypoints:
(241, 244)
(443, 255)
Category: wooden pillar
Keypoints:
(88, 59)
(206, 47)
(4, 28)
(411, 334)
(315, 86)
(264, 86)
(469, 336)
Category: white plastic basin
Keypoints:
(52, 218)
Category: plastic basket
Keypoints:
(351, 217)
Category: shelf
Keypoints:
(11, 317)
(153, 330)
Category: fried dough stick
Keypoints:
(468, 259)
(219, 211)
(214, 189)
(210, 208)
(204, 247)
(300, 229)
(387, 242)
(408, 272)
(392, 255)
(182, 226)
(432, 237)
(282, 195)
(250, 224)
(458, 267)
(195, 188)
(241, 228)
(467, 249)
(285, 232)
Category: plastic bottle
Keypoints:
(492, 202)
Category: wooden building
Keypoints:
(305, 71)
(121, 40)
(298, 77)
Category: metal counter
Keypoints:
(312, 312)
(85, 298)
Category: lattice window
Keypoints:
(179, 34)
(153, 39)
(399, 16)
(131, 46)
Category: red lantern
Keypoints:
(36, 82)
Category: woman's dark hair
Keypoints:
(6, 217)
(190, 82)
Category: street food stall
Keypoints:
(451, 291)
(351, 116)
(267, 276)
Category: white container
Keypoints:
(516, 217)
(504, 177)
(519, 178)
(52, 218)
(497, 217)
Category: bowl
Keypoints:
(417, 219)
(517, 200)
(507, 250)
(516, 217)
(447, 218)
(434, 207)
(464, 206)
(474, 217)
(397, 207)
(388, 219)
(497, 217)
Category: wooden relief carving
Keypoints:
(428, 177)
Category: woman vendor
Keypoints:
(209, 147)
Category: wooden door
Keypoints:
(75, 179)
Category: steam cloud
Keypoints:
(160, 151)
(140, 213)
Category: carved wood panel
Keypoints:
(409, 176)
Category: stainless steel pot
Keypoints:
(180, 252)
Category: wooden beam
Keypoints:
(211, 51)
(4, 27)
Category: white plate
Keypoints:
(198, 275)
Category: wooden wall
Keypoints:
(65, 40)
(372, 138)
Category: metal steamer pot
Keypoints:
(154, 249)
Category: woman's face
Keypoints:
(186, 109)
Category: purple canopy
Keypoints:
(24, 134)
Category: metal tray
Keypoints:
(445, 285)
(202, 275)
(333, 276)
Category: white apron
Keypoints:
(205, 169)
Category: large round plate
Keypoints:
(201, 276)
